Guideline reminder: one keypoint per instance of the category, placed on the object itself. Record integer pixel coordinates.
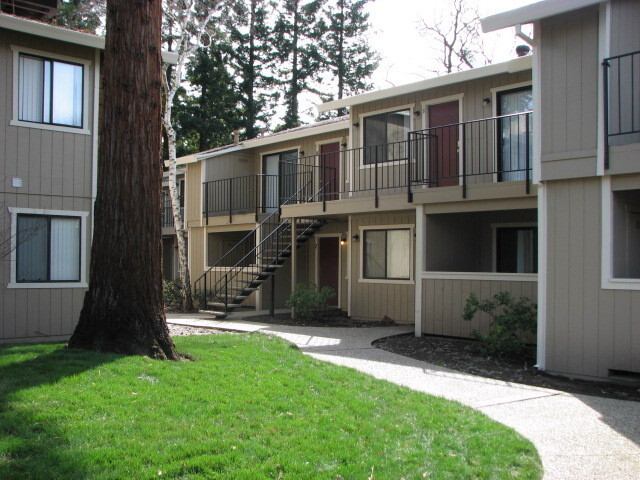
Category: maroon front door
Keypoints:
(329, 265)
(330, 169)
(443, 153)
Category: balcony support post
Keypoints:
(605, 83)
(527, 160)
(464, 161)
(409, 163)
(376, 178)
(206, 202)
(230, 200)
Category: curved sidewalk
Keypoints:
(578, 436)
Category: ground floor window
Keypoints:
(626, 234)
(517, 249)
(387, 254)
(48, 248)
(228, 249)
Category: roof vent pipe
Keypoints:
(236, 136)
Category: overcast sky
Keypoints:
(406, 55)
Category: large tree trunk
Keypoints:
(123, 309)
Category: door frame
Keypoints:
(317, 255)
(319, 143)
(425, 124)
(263, 155)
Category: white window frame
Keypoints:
(608, 281)
(82, 283)
(410, 280)
(84, 129)
(411, 107)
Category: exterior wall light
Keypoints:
(356, 237)
(486, 101)
(356, 125)
(343, 241)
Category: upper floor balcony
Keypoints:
(438, 164)
(166, 211)
(621, 82)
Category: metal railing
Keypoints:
(238, 195)
(223, 284)
(621, 83)
(489, 150)
(166, 211)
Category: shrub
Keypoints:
(510, 320)
(308, 300)
(172, 293)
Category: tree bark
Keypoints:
(123, 310)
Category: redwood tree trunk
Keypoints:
(123, 309)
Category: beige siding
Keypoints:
(443, 303)
(56, 170)
(625, 35)
(373, 301)
(590, 330)
(193, 194)
(230, 165)
(569, 93)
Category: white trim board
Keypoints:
(488, 276)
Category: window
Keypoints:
(517, 250)
(47, 248)
(512, 133)
(387, 254)
(626, 234)
(385, 136)
(50, 91)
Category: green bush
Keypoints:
(511, 319)
(172, 293)
(308, 300)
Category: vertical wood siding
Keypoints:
(443, 303)
(589, 330)
(56, 170)
(373, 301)
(569, 93)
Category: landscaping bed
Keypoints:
(465, 356)
(330, 318)
(248, 406)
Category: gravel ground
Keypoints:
(465, 356)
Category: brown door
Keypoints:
(443, 152)
(330, 169)
(329, 265)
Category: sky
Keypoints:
(406, 55)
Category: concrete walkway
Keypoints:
(578, 436)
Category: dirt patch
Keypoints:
(333, 319)
(465, 356)
(181, 331)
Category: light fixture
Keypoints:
(356, 125)
(343, 241)
(356, 237)
(343, 145)
(417, 113)
(302, 153)
(486, 101)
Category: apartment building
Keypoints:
(587, 165)
(421, 195)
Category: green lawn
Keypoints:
(248, 407)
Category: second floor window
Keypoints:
(385, 136)
(50, 91)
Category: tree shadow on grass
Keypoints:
(32, 444)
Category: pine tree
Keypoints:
(348, 58)
(297, 35)
(206, 120)
(250, 55)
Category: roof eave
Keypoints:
(511, 66)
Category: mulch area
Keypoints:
(333, 319)
(181, 331)
(465, 356)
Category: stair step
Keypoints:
(264, 267)
(219, 315)
(243, 289)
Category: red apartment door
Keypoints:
(443, 153)
(330, 169)
(329, 265)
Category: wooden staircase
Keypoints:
(224, 288)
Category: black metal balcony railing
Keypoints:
(621, 82)
(166, 211)
(496, 149)
(247, 194)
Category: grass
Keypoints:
(248, 407)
